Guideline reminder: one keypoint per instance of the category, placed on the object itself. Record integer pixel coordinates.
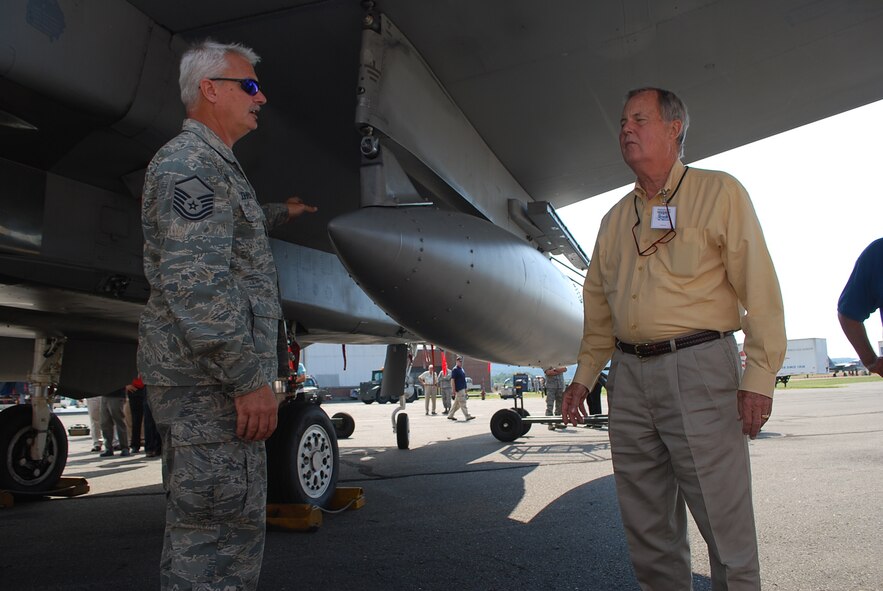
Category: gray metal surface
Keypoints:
(462, 283)
(399, 97)
(463, 510)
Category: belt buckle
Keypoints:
(638, 353)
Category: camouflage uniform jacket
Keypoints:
(555, 382)
(213, 312)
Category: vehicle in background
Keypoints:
(311, 390)
(515, 386)
(372, 392)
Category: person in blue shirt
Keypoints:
(458, 380)
(301, 374)
(863, 295)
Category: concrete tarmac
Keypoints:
(461, 510)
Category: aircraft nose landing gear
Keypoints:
(19, 472)
(33, 444)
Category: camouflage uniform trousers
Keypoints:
(446, 398)
(554, 398)
(216, 492)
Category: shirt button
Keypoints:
(634, 296)
(640, 267)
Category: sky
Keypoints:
(818, 210)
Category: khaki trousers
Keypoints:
(677, 443)
(430, 391)
(459, 404)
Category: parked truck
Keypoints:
(803, 356)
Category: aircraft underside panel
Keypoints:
(399, 97)
(324, 302)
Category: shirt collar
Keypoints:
(674, 175)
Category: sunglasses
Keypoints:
(249, 86)
(666, 238)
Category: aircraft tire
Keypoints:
(403, 433)
(347, 426)
(525, 427)
(302, 456)
(17, 471)
(506, 425)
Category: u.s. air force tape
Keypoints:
(193, 199)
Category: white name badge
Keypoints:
(659, 221)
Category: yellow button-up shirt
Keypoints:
(715, 274)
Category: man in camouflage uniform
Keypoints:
(554, 393)
(208, 335)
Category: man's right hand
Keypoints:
(573, 408)
(296, 208)
(256, 414)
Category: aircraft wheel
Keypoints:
(18, 472)
(525, 426)
(506, 425)
(347, 425)
(403, 435)
(367, 401)
(302, 456)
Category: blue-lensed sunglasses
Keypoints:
(249, 86)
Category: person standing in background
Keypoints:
(862, 296)
(554, 393)
(458, 385)
(430, 388)
(444, 383)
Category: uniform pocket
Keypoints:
(251, 209)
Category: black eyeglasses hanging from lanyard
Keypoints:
(668, 236)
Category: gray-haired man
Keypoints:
(207, 348)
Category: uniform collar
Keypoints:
(208, 136)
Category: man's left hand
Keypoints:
(754, 411)
(296, 207)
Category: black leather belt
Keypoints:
(663, 347)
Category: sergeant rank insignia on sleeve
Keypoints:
(193, 200)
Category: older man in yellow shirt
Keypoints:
(680, 263)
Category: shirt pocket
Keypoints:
(682, 254)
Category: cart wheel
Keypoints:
(403, 435)
(523, 413)
(506, 425)
(347, 425)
